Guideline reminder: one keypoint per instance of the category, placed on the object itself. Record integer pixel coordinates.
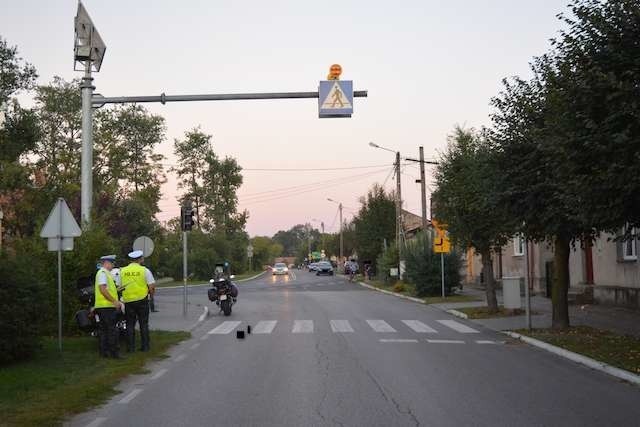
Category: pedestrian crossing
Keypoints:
(343, 326)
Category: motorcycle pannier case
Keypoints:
(234, 290)
(212, 293)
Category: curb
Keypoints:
(207, 284)
(251, 278)
(578, 358)
(180, 286)
(395, 294)
(457, 313)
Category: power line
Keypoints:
(297, 169)
(296, 187)
(296, 193)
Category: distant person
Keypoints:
(106, 307)
(138, 283)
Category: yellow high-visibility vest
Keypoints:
(100, 300)
(134, 283)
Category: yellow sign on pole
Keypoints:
(441, 242)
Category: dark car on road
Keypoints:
(324, 267)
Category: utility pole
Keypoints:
(341, 241)
(399, 225)
(423, 187)
(398, 202)
(341, 226)
(309, 241)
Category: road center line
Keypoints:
(397, 340)
(158, 374)
(488, 342)
(129, 397)
(196, 345)
(98, 421)
(445, 341)
(204, 337)
(180, 358)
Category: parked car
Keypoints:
(280, 268)
(324, 267)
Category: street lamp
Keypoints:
(398, 193)
(341, 241)
(399, 227)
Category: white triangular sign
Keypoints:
(60, 222)
(336, 99)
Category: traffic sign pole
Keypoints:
(184, 273)
(442, 271)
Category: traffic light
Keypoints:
(186, 218)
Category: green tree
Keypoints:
(374, 223)
(465, 200)
(58, 106)
(191, 153)
(125, 139)
(567, 140)
(292, 239)
(265, 250)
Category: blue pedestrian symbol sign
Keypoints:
(335, 98)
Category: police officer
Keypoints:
(107, 305)
(138, 283)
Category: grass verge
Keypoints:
(410, 290)
(621, 351)
(483, 312)
(450, 298)
(52, 386)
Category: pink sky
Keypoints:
(427, 65)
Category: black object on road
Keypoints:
(240, 335)
(248, 329)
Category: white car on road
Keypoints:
(280, 268)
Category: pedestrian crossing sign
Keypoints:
(335, 98)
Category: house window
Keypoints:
(629, 249)
(518, 245)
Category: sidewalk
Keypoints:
(169, 315)
(615, 319)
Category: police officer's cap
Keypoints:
(135, 254)
(110, 258)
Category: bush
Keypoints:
(399, 287)
(387, 260)
(423, 268)
(21, 303)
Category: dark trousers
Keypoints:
(109, 345)
(137, 310)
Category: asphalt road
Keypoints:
(325, 352)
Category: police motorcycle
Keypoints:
(87, 319)
(223, 291)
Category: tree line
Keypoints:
(40, 161)
(560, 163)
